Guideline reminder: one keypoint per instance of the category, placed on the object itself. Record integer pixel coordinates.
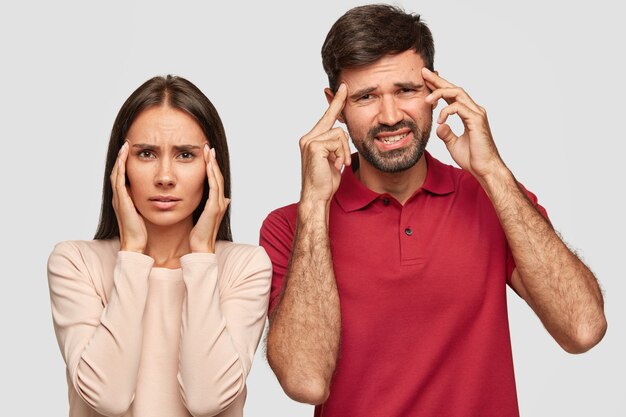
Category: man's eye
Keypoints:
(407, 90)
(365, 97)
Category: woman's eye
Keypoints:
(186, 155)
(145, 154)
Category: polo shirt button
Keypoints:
(408, 231)
(386, 201)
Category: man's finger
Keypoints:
(346, 149)
(465, 113)
(446, 134)
(332, 113)
(332, 147)
(450, 95)
(434, 79)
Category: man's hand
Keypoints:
(553, 281)
(474, 151)
(324, 152)
(305, 326)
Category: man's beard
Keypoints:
(394, 160)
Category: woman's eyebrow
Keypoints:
(177, 147)
(186, 147)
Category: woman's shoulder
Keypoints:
(239, 251)
(78, 262)
(241, 259)
(86, 251)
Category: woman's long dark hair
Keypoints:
(180, 94)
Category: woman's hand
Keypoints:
(133, 234)
(203, 235)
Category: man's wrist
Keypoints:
(498, 181)
(313, 210)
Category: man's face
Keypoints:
(385, 112)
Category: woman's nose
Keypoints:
(165, 175)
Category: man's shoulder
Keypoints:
(277, 232)
(285, 215)
(279, 228)
(448, 177)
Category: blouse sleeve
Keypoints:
(101, 345)
(223, 317)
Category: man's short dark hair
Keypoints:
(365, 34)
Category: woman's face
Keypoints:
(165, 165)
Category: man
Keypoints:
(389, 288)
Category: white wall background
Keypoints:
(551, 75)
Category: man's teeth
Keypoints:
(392, 139)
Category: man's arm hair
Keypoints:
(304, 332)
(556, 284)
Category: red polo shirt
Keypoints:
(422, 288)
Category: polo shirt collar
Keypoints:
(352, 195)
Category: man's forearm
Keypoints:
(303, 339)
(555, 283)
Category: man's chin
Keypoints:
(393, 161)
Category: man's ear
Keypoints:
(329, 97)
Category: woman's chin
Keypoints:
(167, 219)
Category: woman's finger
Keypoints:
(212, 201)
(120, 180)
(218, 176)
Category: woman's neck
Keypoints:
(166, 244)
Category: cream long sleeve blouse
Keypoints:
(146, 342)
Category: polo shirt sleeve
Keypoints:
(276, 237)
(510, 262)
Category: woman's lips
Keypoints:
(164, 202)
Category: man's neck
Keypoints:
(401, 185)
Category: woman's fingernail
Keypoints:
(213, 152)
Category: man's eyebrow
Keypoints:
(409, 85)
(361, 92)
(367, 90)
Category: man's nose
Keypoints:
(389, 114)
(165, 175)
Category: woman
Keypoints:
(161, 314)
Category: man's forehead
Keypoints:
(391, 69)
